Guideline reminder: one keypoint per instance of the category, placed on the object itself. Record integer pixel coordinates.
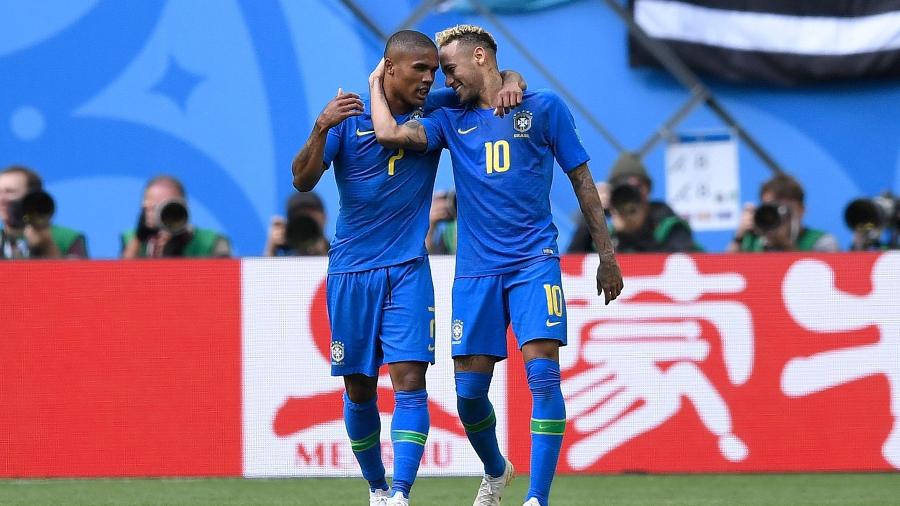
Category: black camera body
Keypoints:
(35, 208)
(625, 195)
(301, 232)
(769, 217)
(872, 217)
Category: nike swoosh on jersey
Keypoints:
(360, 133)
(552, 324)
(430, 347)
(464, 132)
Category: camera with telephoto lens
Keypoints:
(872, 217)
(301, 232)
(625, 197)
(35, 208)
(769, 217)
(172, 216)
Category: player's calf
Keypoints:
(548, 423)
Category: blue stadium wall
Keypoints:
(99, 96)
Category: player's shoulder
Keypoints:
(542, 97)
(441, 98)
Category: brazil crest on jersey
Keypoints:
(385, 193)
(503, 168)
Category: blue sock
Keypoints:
(548, 423)
(364, 428)
(409, 431)
(477, 415)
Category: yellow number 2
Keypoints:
(496, 156)
(392, 160)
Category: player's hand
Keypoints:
(378, 73)
(609, 278)
(509, 97)
(277, 231)
(340, 108)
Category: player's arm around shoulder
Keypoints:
(309, 164)
(410, 135)
(609, 276)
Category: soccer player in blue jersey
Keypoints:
(507, 264)
(379, 290)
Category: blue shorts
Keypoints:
(381, 316)
(530, 298)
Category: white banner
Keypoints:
(292, 410)
(702, 183)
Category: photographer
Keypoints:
(302, 232)
(441, 236)
(638, 224)
(777, 224)
(26, 211)
(163, 228)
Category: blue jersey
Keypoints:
(385, 194)
(503, 168)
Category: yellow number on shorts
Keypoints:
(496, 156)
(554, 300)
(393, 159)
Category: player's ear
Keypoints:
(388, 66)
(479, 55)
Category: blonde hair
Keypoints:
(468, 34)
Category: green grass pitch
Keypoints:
(695, 490)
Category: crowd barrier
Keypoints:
(706, 363)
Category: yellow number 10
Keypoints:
(493, 156)
(554, 300)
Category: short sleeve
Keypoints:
(444, 97)
(563, 136)
(332, 144)
(434, 131)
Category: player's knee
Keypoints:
(360, 388)
(408, 376)
(472, 385)
(541, 348)
(474, 363)
(543, 377)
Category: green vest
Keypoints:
(65, 237)
(202, 244)
(661, 231)
(805, 242)
(449, 237)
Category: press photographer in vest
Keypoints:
(777, 223)
(27, 210)
(164, 230)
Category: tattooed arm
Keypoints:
(609, 277)
(410, 135)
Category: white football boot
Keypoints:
(398, 499)
(491, 490)
(378, 497)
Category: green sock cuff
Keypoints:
(361, 445)
(488, 422)
(548, 427)
(409, 436)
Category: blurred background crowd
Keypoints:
(637, 223)
(174, 142)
